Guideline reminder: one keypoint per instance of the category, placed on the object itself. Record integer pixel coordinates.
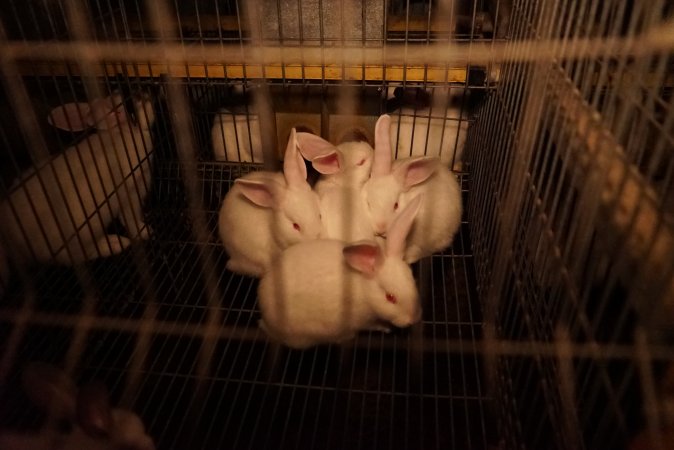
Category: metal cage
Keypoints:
(546, 324)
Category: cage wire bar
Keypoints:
(571, 226)
(547, 323)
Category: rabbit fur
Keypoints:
(236, 137)
(325, 291)
(59, 212)
(392, 186)
(265, 212)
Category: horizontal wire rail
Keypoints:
(656, 40)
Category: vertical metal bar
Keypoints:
(262, 101)
(570, 425)
(179, 106)
(277, 353)
(521, 161)
(651, 410)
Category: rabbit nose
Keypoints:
(380, 228)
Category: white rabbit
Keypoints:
(236, 137)
(392, 186)
(423, 132)
(59, 212)
(438, 129)
(345, 169)
(265, 212)
(325, 290)
(95, 425)
(347, 164)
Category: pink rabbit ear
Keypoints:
(294, 170)
(312, 146)
(94, 413)
(260, 192)
(365, 257)
(328, 164)
(381, 165)
(50, 389)
(71, 117)
(396, 235)
(102, 113)
(415, 170)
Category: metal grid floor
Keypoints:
(205, 377)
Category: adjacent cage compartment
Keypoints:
(546, 324)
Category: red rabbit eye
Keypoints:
(391, 298)
(361, 162)
(395, 207)
(297, 226)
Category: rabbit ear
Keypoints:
(397, 232)
(381, 164)
(103, 113)
(415, 170)
(263, 193)
(328, 164)
(108, 113)
(294, 169)
(312, 146)
(94, 413)
(365, 257)
(50, 389)
(71, 117)
(325, 157)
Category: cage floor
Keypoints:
(175, 337)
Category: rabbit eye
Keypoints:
(391, 298)
(395, 207)
(297, 226)
(361, 162)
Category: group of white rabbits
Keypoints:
(348, 241)
(334, 260)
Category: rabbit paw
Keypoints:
(111, 244)
(144, 232)
(413, 254)
(243, 267)
(380, 327)
(118, 244)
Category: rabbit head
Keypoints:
(102, 113)
(296, 209)
(349, 162)
(387, 180)
(396, 298)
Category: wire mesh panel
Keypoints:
(572, 216)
